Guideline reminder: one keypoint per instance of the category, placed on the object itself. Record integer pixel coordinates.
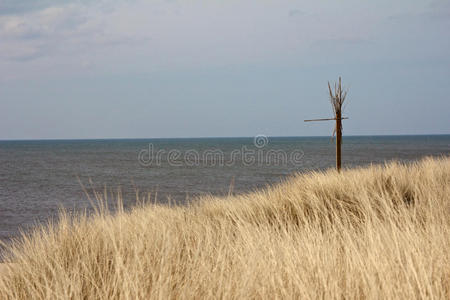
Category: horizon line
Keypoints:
(215, 137)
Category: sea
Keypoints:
(39, 177)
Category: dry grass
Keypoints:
(378, 233)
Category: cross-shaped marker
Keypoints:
(337, 100)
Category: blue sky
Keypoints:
(138, 69)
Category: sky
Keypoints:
(208, 68)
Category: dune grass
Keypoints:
(378, 232)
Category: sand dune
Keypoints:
(4, 268)
(381, 232)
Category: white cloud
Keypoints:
(55, 31)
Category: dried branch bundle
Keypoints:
(337, 98)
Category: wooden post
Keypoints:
(337, 97)
(338, 141)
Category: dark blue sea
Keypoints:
(39, 177)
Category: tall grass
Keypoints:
(379, 232)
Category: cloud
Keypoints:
(26, 36)
(14, 7)
(47, 22)
(153, 35)
(17, 7)
(344, 41)
(57, 30)
(21, 52)
(296, 13)
(344, 47)
(437, 10)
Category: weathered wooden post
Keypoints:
(337, 98)
(338, 141)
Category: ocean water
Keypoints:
(39, 177)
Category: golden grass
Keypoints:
(379, 232)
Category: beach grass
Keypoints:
(380, 232)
